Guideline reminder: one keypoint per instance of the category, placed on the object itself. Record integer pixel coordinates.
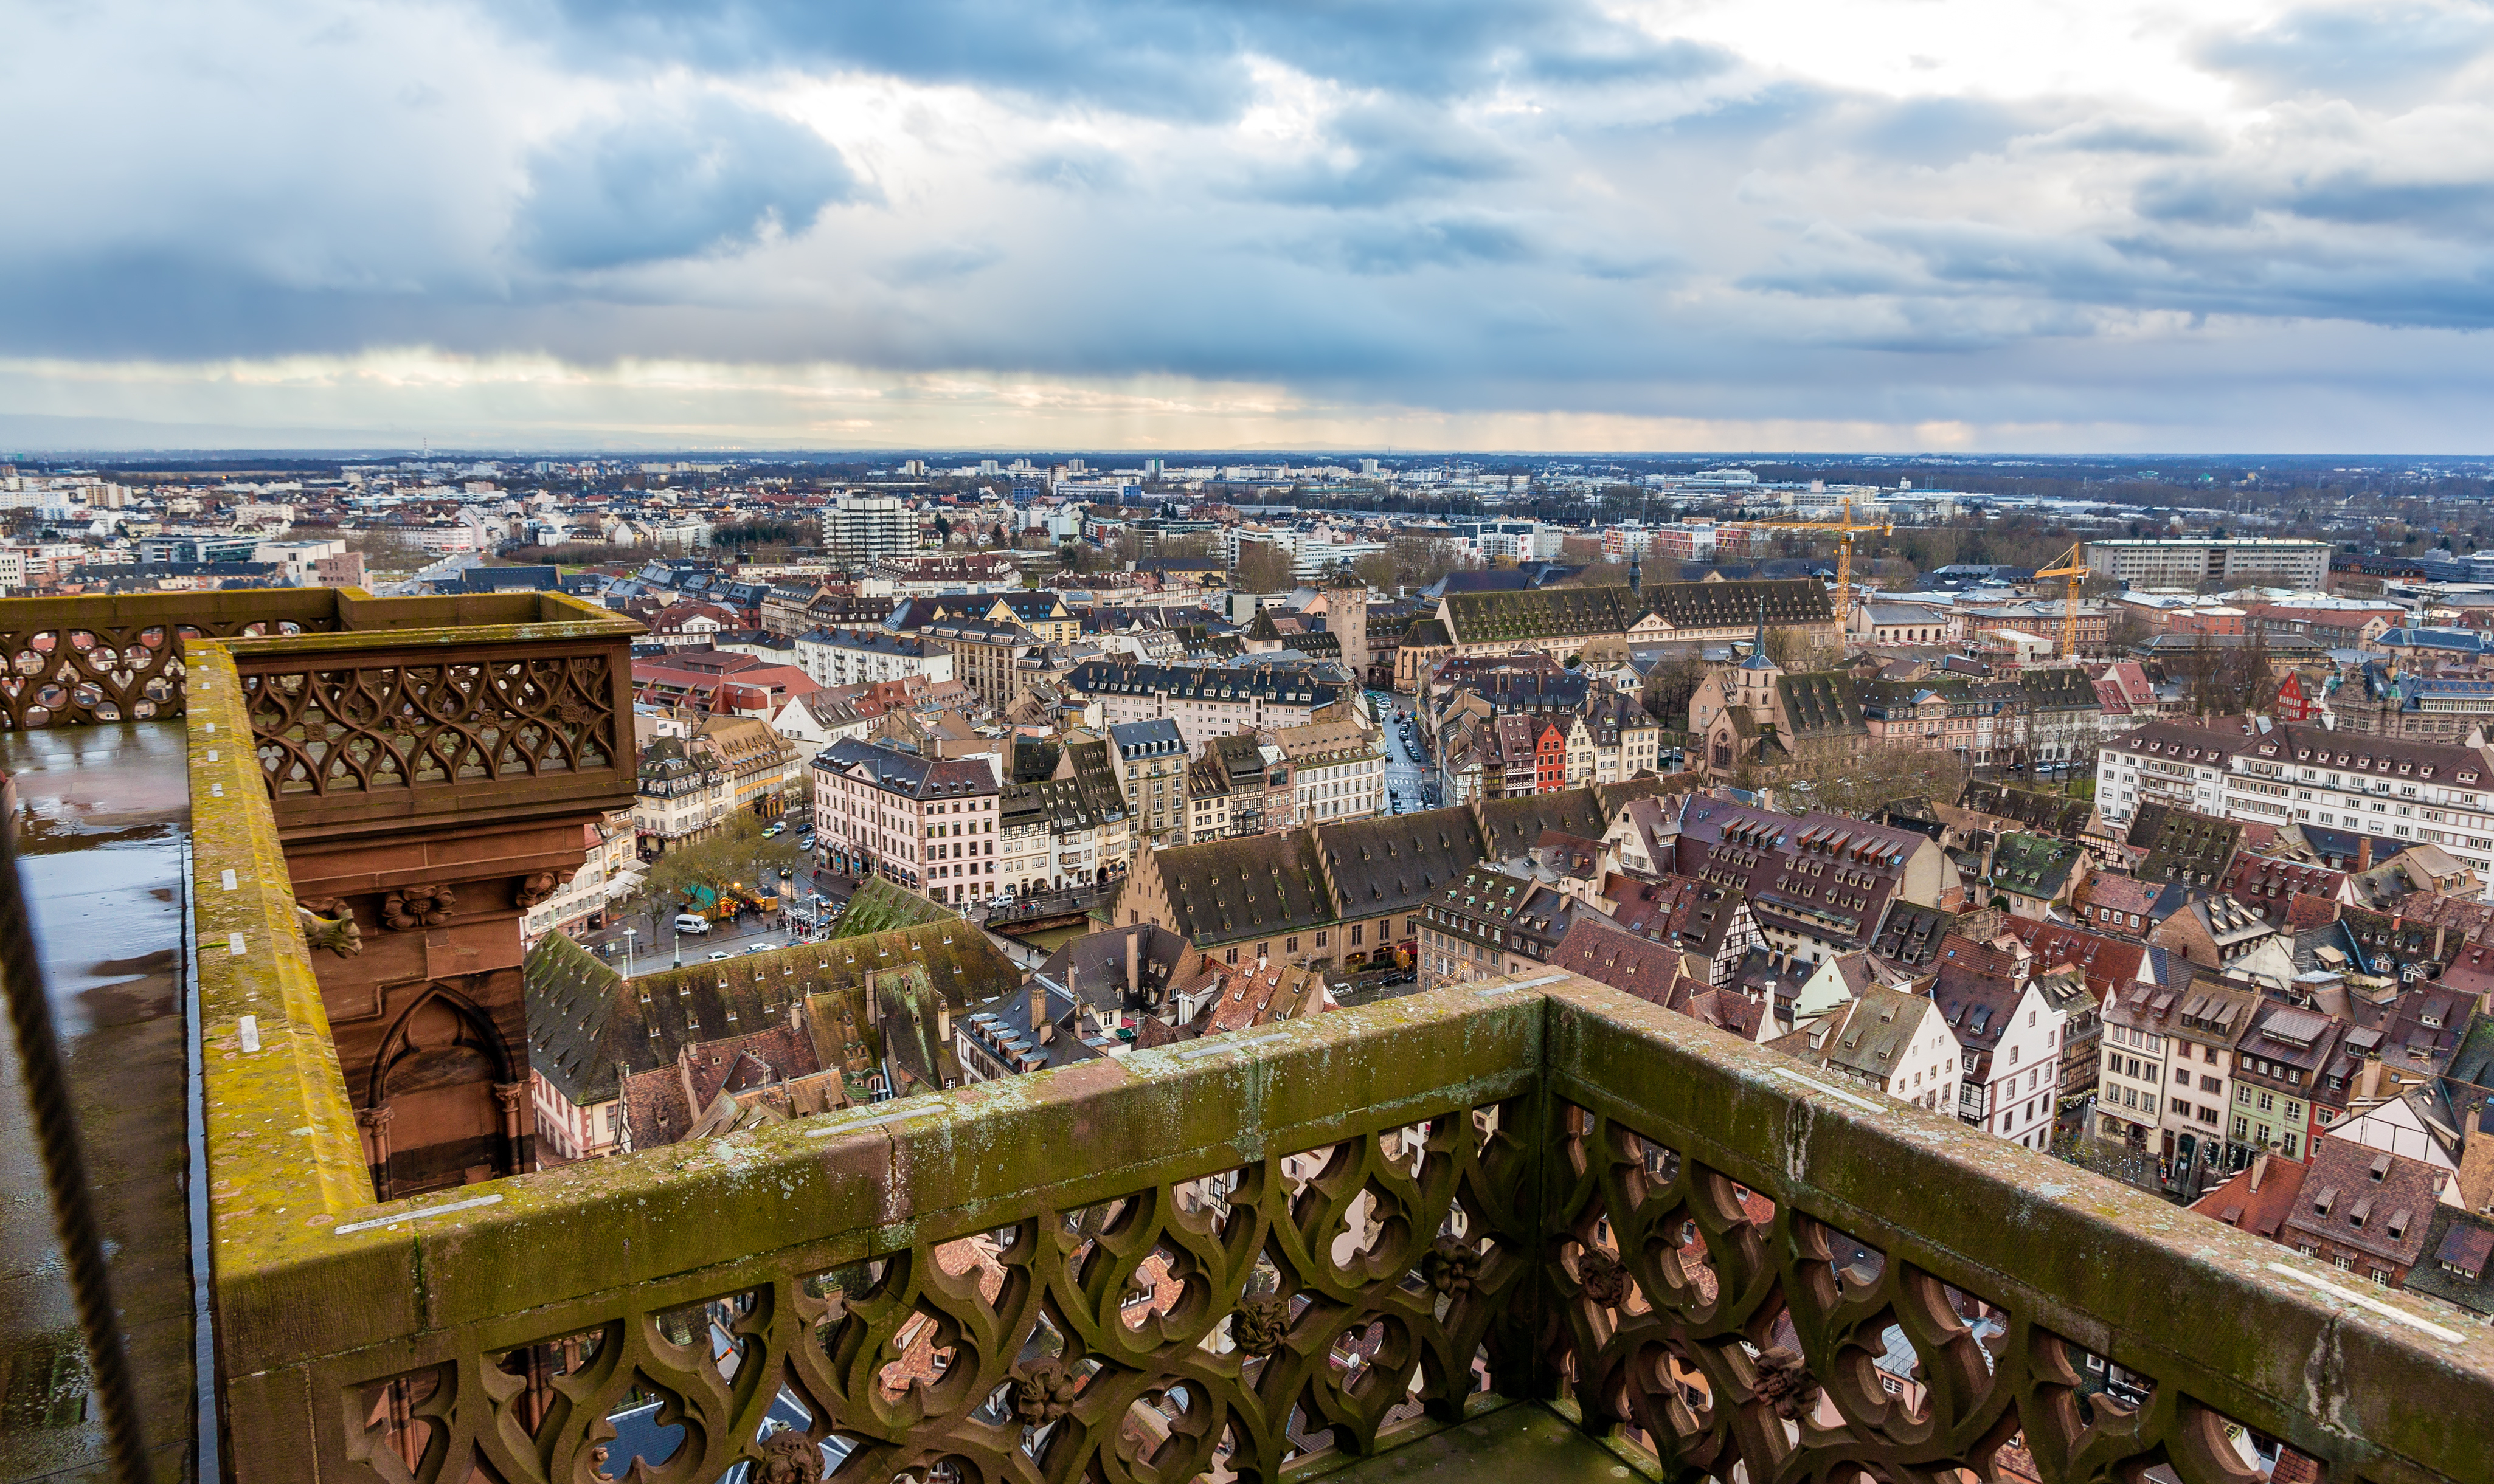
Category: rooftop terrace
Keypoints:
(1534, 1228)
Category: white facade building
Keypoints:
(868, 656)
(2397, 791)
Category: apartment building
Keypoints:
(927, 823)
(1208, 701)
(1337, 772)
(858, 529)
(1612, 740)
(2009, 1032)
(2383, 787)
(868, 656)
(1486, 923)
(2185, 565)
(2292, 1075)
(2168, 1057)
(1150, 761)
(985, 656)
(682, 792)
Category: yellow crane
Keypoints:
(2074, 566)
(1846, 526)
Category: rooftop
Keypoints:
(1539, 1179)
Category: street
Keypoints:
(653, 934)
(1407, 779)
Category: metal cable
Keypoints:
(56, 1136)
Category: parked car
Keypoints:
(692, 923)
(721, 953)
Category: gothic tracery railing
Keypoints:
(483, 719)
(1241, 1323)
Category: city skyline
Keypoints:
(1878, 227)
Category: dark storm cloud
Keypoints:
(669, 184)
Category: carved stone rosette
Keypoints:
(410, 908)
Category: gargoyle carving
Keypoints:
(535, 889)
(331, 925)
(1786, 1384)
(790, 1457)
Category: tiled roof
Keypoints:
(2049, 814)
(1739, 604)
(1547, 613)
(1229, 890)
(1394, 863)
(1602, 953)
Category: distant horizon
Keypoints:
(2003, 459)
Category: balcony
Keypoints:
(1530, 1228)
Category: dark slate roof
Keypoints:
(2043, 813)
(1199, 682)
(585, 1021)
(1510, 825)
(1393, 862)
(2191, 849)
(2456, 1263)
(1733, 604)
(1912, 934)
(2032, 865)
(1481, 617)
(1227, 891)
(1093, 966)
(1822, 703)
(1602, 953)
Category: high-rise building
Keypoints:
(860, 528)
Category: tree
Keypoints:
(2125, 627)
(1868, 782)
(1792, 648)
(1670, 685)
(1262, 566)
(1075, 557)
(727, 857)
(1419, 560)
(1377, 570)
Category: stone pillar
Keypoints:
(428, 1016)
(375, 1122)
(518, 1127)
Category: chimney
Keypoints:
(1134, 964)
(2364, 853)
(2259, 1172)
(1038, 1007)
(943, 1022)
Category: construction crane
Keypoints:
(2074, 566)
(1846, 526)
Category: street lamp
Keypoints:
(627, 953)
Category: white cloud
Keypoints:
(1474, 225)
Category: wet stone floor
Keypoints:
(102, 812)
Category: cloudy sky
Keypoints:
(2225, 225)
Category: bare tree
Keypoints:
(1262, 568)
(1876, 778)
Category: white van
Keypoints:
(692, 921)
